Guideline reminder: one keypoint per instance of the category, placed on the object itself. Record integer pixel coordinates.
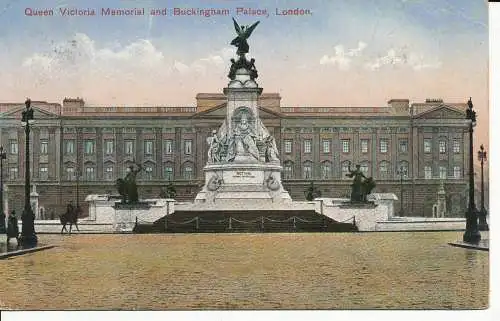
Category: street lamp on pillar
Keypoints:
(77, 173)
(402, 172)
(471, 234)
(3, 155)
(483, 224)
(28, 234)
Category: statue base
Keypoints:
(350, 204)
(126, 215)
(242, 181)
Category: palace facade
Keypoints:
(78, 150)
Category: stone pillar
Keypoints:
(158, 154)
(99, 150)
(35, 154)
(393, 149)
(58, 158)
(200, 141)
(178, 153)
(34, 202)
(336, 147)
(6, 199)
(374, 151)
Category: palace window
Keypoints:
(443, 172)
(43, 172)
(457, 172)
(70, 173)
(326, 146)
(109, 146)
(69, 147)
(345, 145)
(288, 146)
(456, 146)
(89, 147)
(44, 147)
(149, 172)
(326, 170)
(403, 146)
(13, 173)
(89, 173)
(442, 147)
(188, 144)
(427, 145)
(383, 170)
(129, 147)
(167, 146)
(188, 172)
(288, 170)
(307, 170)
(364, 168)
(364, 145)
(384, 145)
(148, 147)
(108, 174)
(13, 146)
(168, 173)
(345, 170)
(403, 167)
(307, 146)
(427, 172)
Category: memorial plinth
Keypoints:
(234, 181)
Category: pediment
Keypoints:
(217, 111)
(442, 112)
(39, 113)
(220, 111)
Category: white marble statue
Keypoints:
(243, 141)
(271, 149)
(214, 148)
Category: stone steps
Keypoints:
(245, 222)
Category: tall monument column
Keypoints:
(243, 164)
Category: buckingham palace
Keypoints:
(410, 149)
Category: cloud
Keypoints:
(401, 57)
(82, 51)
(81, 67)
(342, 58)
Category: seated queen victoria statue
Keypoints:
(243, 142)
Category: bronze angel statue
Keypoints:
(244, 33)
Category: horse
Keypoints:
(70, 217)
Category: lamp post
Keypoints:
(483, 225)
(28, 235)
(77, 173)
(402, 172)
(471, 234)
(3, 155)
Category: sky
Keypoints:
(346, 53)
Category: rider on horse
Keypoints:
(71, 217)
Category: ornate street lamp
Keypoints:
(77, 176)
(28, 235)
(3, 155)
(483, 225)
(402, 172)
(471, 234)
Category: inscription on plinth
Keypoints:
(243, 174)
